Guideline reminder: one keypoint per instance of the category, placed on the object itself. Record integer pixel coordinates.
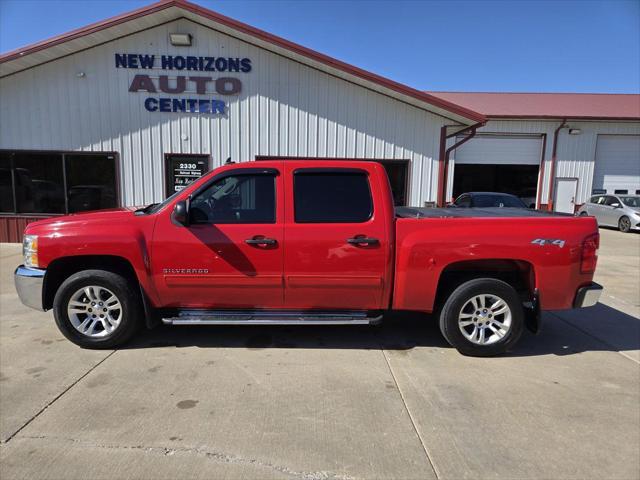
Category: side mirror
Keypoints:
(616, 205)
(180, 214)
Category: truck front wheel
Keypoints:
(96, 309)
(482, 317)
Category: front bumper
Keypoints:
(588, 296)
(29, 283)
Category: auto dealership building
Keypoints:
(126, 111)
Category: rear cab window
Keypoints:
(332, 196)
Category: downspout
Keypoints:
(444, 157)
(552, 167)
(543, 160)
(441, 155)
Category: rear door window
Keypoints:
(332, 196)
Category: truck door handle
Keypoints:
(257, 240)
(363, 241)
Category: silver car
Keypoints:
(621, 211)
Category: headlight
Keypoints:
(30, 250)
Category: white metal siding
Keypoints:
(285, 108)
(617, 163)
(500, 150)
(575, 153)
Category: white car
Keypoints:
(621, 211)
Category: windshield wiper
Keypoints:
(145, 210)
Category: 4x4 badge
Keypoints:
(548, 241)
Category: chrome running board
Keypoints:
(263, 317)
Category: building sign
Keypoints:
(184, 169)
(194, 85)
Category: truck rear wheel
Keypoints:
(97, 309)
(482, 317)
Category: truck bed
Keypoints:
(494, 212)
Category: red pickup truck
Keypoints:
(305, 242)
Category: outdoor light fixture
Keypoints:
(180, 39)
(81, 74)
(575, 131)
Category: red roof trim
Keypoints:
(552, 106)
(255, 32)
(561, 117)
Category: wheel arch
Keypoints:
(520, 274)
(62, 268)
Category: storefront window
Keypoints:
(6, 184)
(38, 183)
(91, 182)
(55, 182)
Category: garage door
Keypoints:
(617, 168)
(507, 164)
(511, 150)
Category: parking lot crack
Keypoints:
(413, 423)
(43, 409)
(209, 454)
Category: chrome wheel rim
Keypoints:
(625, 223)
(485, 319)
(94, 311)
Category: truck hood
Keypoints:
(112, 216)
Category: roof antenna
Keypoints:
(228, 162)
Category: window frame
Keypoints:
(273, 172)
(63, 154)
(312, 170)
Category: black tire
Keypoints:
(452, 308)
(584, 214)
(624, 224)
(121, 288)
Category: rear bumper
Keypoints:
(29, 282)
(588, 296)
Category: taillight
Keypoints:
(590, 253)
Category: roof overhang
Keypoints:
(604, 107)
(558, 118)
(169, 10)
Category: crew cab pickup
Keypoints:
(305, 242)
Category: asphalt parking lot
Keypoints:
(392, 401)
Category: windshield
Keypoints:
(631, 201)
(156, 207)
(507, 201)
